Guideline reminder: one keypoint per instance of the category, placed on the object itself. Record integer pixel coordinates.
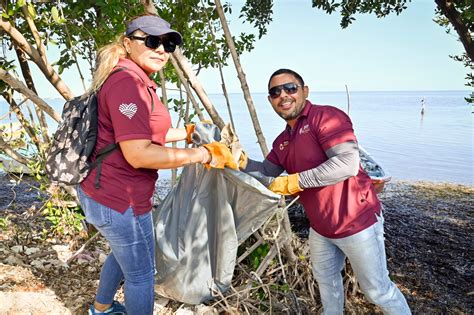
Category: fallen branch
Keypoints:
(80, 250)
(41, 254)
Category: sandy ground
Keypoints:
(428, 227)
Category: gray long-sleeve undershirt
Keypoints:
(343, 162)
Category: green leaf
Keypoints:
(31, 10)
(20, 3)
(55, 15)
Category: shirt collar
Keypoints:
(304, 113)
(129, 64)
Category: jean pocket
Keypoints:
(96, 214)
(99, 216)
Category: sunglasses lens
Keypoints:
(275, 91)
(169, 46)
(152, 42)
(290, 88)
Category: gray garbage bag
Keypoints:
(199, 226)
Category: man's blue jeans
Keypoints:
(366, 253)
(132, 257)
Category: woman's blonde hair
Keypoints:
(107, 58)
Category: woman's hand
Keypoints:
(220, 156)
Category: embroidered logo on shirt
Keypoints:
(304, 129)
(128, 110)
(283, 145)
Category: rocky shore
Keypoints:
(429, 228)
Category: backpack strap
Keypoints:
(101, 155)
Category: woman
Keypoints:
(131, 114)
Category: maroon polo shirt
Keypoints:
(334, 211)
(125, 113)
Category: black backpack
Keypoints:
(68, 158)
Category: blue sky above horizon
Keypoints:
(404, 52)
(395, 53)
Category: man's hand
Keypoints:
(220, 156)
(243, 160)
(286, 185)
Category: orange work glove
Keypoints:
(243, 160)
(189, 132)
(286, 185)
(220, 156)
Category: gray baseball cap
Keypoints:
(153, 25)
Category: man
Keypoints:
(318, 149)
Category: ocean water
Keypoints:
(436, 146)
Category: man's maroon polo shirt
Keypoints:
(125, 113)
(334, 211)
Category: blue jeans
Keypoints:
(132, 258)
(366, 253)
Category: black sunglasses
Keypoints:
(154, 42)
(290, 88)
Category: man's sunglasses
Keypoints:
(154, 42)
(290, 88)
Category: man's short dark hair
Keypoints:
(287, 71)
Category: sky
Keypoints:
(405, 52)
(395, 53)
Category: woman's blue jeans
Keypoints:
(132, 258)
(366, 253)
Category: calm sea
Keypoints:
(436, 146)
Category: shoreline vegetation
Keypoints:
(428, 226)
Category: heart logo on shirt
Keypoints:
(128, 110)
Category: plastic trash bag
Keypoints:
(199, 226)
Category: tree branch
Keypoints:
(454, 17)
(184, 82)
(8, 150)
(36, 36)
(243, 80)
(25, 70)
(21, 118)
(46, 68)
(149, 7)
(196, 85)
(21, 88)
